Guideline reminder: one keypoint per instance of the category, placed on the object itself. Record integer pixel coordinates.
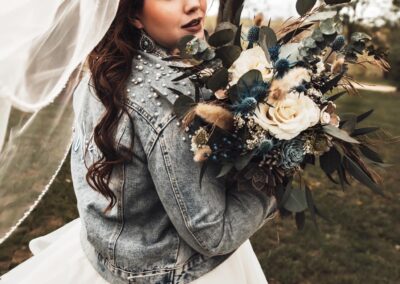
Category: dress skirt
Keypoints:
(58, 258)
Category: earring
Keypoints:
(146, 43)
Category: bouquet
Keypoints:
(273, 111)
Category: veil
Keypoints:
(43, 45)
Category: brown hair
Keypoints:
(110, 64)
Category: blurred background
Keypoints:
(361, 243)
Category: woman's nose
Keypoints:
(192, 6)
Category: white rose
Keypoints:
(288, 117)
(253, 58)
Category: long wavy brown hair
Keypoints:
(110, 64)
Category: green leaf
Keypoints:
(202, 171)
(336, 2)
(268, 36)
(300, 218)
(365, 115)
(370, 154)
(286, 194)
(296, 202)
(218, 80)
(228, 54)
(225, 169)
(182, 44)
(248, 80)
(349, 125)
(339, 134)
(364, 131)
(330, 161)
(221, 37)
(337, 96)
(243, 161)
(359, 174)
(311, 206)
(182, 105)
(303, 6)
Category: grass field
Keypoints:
(362, 245)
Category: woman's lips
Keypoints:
(194, 25)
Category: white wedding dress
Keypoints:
(59, 258)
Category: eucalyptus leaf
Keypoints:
(297, 201)
(300, 218)
(226, 168)
(358, 173)
(268, 36)
(228, 54)
(327, 27)
(365, 115)
(339, 134)
(370, 154)
(218, 80)
(330, 161)
(221, 37)
(243, 160)
(182, 105)
(304, 6)
(364, 131)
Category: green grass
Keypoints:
(362, 245)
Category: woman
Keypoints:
(144, 218)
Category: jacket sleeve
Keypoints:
(211, 219)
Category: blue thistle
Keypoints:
(338, 43)
(282, 66)
(274, 52)
(253, 34)
(301, 88)
(265, 146)
(259, 91)
(246, 105)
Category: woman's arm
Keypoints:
(211, 219)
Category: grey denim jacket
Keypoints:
(164, 227)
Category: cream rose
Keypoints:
(288, 117)
(253, 58)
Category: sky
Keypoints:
(287, 8)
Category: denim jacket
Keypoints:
(165, 228)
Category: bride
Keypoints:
(144, 218)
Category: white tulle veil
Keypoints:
(43, 45)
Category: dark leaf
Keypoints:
(268, 37)
(363, 116)
(182, 105)
(300, 218)
(349, 125)
(358, 173)
(370, 154)
(286, 195)
(364, 131)
(218, 80)
(242, 161)
(335, 2)
(228, 54)
(311, 206)
(221, 37)
(296, 202)
(248, 80)
(337, 96)
(226, 168)
(202, 171)
(304, 6)
(339, 134)
(182, 44)
(330, 161)
(238, 37)
(331, 83)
